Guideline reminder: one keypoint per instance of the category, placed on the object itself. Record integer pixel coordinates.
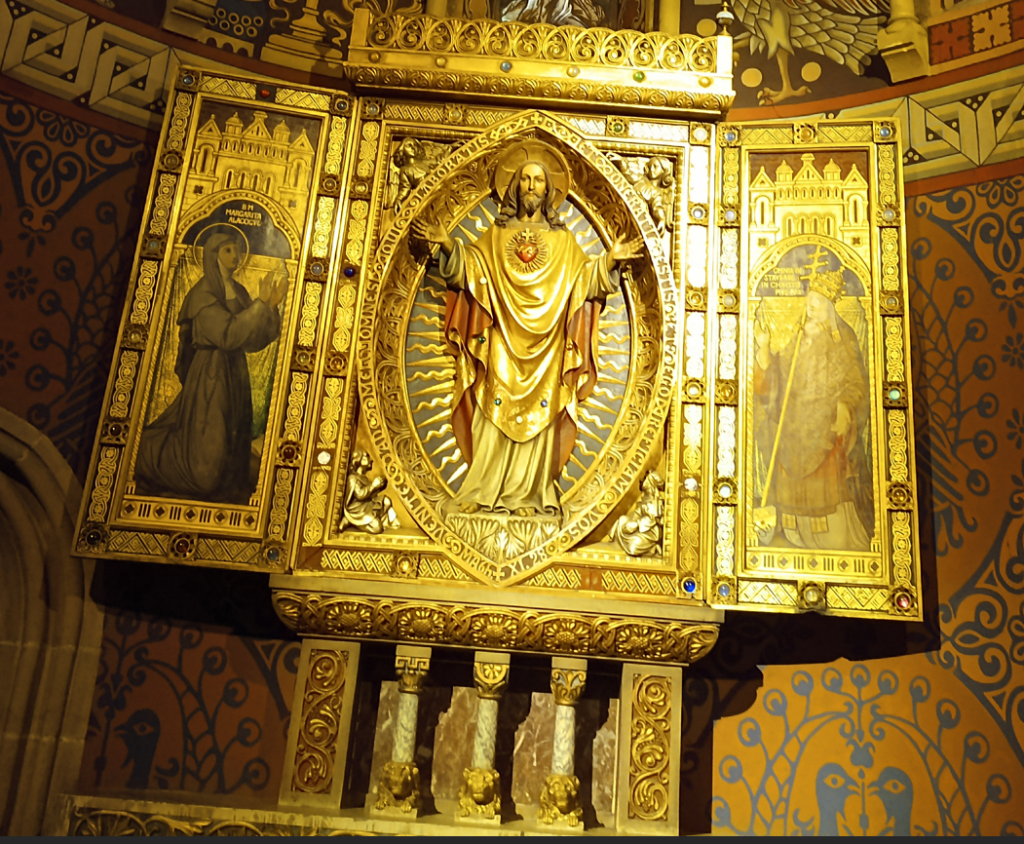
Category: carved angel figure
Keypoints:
(411, 163)
(653, 180)
(364, 507)
(639, 533)
(845, 31)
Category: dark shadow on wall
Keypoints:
(727, 681)
(233, 600)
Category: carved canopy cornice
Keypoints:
(509, 61)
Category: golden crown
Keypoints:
(829, 284)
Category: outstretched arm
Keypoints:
(623, 250)
(432, 233)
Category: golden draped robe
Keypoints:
(521, 322)
(822, 482)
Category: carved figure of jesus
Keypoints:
(521, 322)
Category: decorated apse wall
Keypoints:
(928, 739)
(793, 725)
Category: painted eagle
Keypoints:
(845, 31)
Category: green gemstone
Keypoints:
(639, 76)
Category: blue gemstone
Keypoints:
(349, 272)
(187, 80)
(730, 136)
(273, 554)
(724, 590)
(894, 394)
(543, 402)
(690, 585)
(506, 66)
(497, 401)
(885, 131)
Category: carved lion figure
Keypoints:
(560, 800)
(479, 794)
(399, 787)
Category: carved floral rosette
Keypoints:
(457, 185)
(576, 634)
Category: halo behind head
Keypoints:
(532, 150)
(218, 231)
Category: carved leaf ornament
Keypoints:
(461, 184)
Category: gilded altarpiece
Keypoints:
(291, 384)
(514, 347)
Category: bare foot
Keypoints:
(526, 511)
(469, 507)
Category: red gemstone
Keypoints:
(264, 92)
(903, 601)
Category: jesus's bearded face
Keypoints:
(533, 190)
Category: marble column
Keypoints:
(480, 795)
(560, 800)
(399, 786)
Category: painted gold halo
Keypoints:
(533, 150)
(195, 244)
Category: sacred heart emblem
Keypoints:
(527, 252)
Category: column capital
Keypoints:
(491, 680)
(411, 665)
(568, 679)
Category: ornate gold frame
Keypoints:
(578, 592)
(885, 581)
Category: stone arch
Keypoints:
(49, 628)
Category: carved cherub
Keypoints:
(411, 163)
(364, 508)
(653, 180)
(639, 533)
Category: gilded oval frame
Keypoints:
(449, 192)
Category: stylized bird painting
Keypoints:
(140, 734)
(845, 31)
(896, 791)
(833, 786)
